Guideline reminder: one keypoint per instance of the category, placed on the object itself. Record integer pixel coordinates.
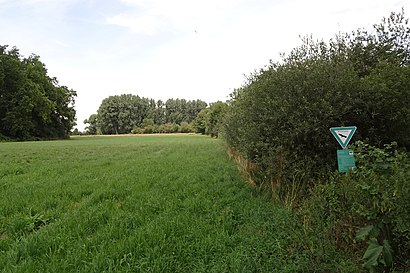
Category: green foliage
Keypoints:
(24, 225)
(181, 110)
(215, 118)
(372, 204)
(129, 113)
(148, 127)
(32, 104)
(210, 120)
(120, 114)
(376, 255)
(185, 127)
(280, 118)
(279, 122)
(201, 120)
(376, 160)
(147, 122)
(125, 113)
(92, 128)
(383, 177)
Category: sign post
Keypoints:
(345, 157)
(345, 160)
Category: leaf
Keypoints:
(362, 233)
(364, 186)
(372, 254)
(387, 254)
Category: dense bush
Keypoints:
(370, 205)
(210, 120)
(277, 128)
(280, 118)
(166, 128)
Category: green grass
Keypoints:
(144, 204)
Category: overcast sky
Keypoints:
(192, 49)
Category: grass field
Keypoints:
(143, 204)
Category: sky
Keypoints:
(161, 49)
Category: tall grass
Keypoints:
(144, 204)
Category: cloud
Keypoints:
(146, 24)
(178, 16)
(38, 3)
(61, 43)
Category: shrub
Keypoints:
(372, 204)
(185, 127)
(149, 129)
(279, 122)
(137, 131)
(280, 118)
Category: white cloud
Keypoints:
(45, 4)
(174, 16)
(141, 25)
(61, 43)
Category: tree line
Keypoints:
(128, 113)
(32, 104)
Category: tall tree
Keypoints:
(216, 114)
(32, 104)
(120, 114)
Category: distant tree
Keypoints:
(120, 114)
(210, 120)
(173, 111)
(108, 115)
(147, 122)
(159, 113)
(179, 110)
(217, 111)
(92, 128)
(194, 107)
(200, 123)
(185, 127)
(129, 113)
(75, 132)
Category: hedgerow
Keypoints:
(279, 121)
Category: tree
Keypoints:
(92, 128)
(147, 122)
(200, 123)
(125, 113)
(179, 110)
(32, 104)
(216, 114)
(159, 113)
(193, 109)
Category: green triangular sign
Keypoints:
(343, 135)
